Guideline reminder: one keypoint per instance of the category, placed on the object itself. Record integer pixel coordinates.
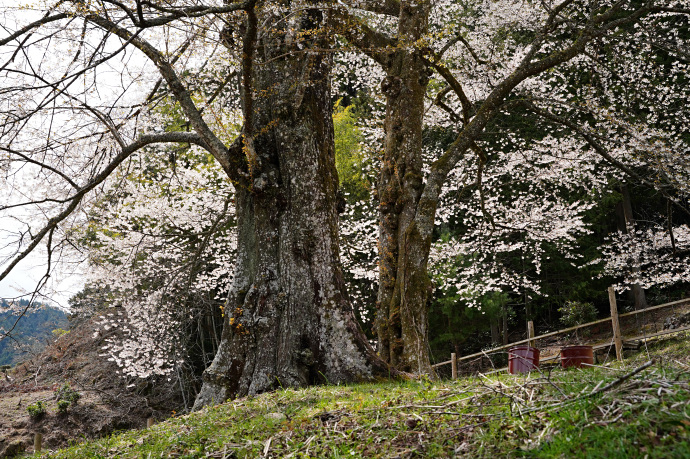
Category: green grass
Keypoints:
(540, 416)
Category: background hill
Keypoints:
(31, 333)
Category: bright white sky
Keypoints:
(25, 276)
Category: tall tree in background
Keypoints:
(403, 283)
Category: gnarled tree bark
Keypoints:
(404, 285)
(288, 318)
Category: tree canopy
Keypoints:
(185, 151)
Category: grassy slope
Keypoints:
(645, 415)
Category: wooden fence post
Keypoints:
(454, 365)
(38, 442)
(616, 325)
(530, 333)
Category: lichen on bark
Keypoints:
(293, 323)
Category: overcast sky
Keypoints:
(25, 276)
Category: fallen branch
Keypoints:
(607, 387)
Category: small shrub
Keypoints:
(58, 332)
(576, 313)
(36, 410)
(62, 406)
(67, 394)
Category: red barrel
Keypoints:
(575, 356)
(522, 359)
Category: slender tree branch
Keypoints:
(457, 88)
(600, 149)
(461, 39)
(40, 164)
(43, 21)
(143, 141)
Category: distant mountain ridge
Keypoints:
(31, 332)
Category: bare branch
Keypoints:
(144, 140)
(40, 164)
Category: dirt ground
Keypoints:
(107, 403)
(91, 417)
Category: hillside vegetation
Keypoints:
(638, 408)
(31, 332)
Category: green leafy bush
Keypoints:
(576, 313)
(67, 394)
(58, 332)
(62, 406)
(36, 410)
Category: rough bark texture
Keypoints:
(404, 285)
(288, 318)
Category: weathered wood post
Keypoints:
(38, 442)
(616, 325)
(530, 333)
(454, 366)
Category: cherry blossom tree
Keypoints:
(506, 120)
(493, 60)
(288, 320)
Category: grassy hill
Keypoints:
(30, 333)
(638, 408)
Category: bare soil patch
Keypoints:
(108, 402)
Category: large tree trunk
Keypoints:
(404, 285)
(288, 318)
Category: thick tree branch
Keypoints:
(374, 44)
(248, 47)
(231, 165)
